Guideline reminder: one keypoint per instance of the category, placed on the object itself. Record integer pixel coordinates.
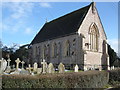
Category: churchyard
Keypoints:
(46, 68)
(47, 76)
(7, 69)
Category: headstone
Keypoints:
(13, 67)
(8, 67)
(3, 65)
(51, 68)
(85, 68)
(76, 68)
(112, 68)
(35, 67)
(100, 68)
(39, 70)
(61, 68)
(17, 63)
(44, 67)
(23, 64)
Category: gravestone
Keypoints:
(76, 68)
(23, 64)
(44, 66)
(17, 63)
(13, 67)
(35, 67)
(113, 67)
(51, 68)
(61, 68)
(3, 65)
(29, 68)
(39, 70)
(8, 67)
(100, 68)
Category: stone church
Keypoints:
(75, 38)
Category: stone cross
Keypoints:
(29, 68)
(17, 63)
(76, 68)
(8, 62)
(61, 68)
(8, 66)
(44, 66)
(51, 68)
(35, 67)
(23, 64)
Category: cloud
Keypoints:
(18, 13)
(18, 9)
(28, 31)
(45, 4)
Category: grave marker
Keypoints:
(61, 68)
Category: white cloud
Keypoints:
(18, 13)
(45, 4)
(21, 9)
(28, 31)
(18, 9)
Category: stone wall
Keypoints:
(75, 50)
(99, 57)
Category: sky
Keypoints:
(21, 21)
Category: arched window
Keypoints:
(67, 49)
(54, 50)
(44, 51)
(93, 37)
(39, 49)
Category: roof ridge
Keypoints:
(64, 25)
(70, 13)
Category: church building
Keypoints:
(75, 38)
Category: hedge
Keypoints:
(88, 79)
(114, 77)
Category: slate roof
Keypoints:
(61, 26)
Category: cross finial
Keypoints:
(46, 20)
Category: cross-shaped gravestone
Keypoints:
(8, 62)
(29, 68)
(35, 67)
(8, 66)
(17, 63)
(23, 64)
(76, 68)
(44, 66)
